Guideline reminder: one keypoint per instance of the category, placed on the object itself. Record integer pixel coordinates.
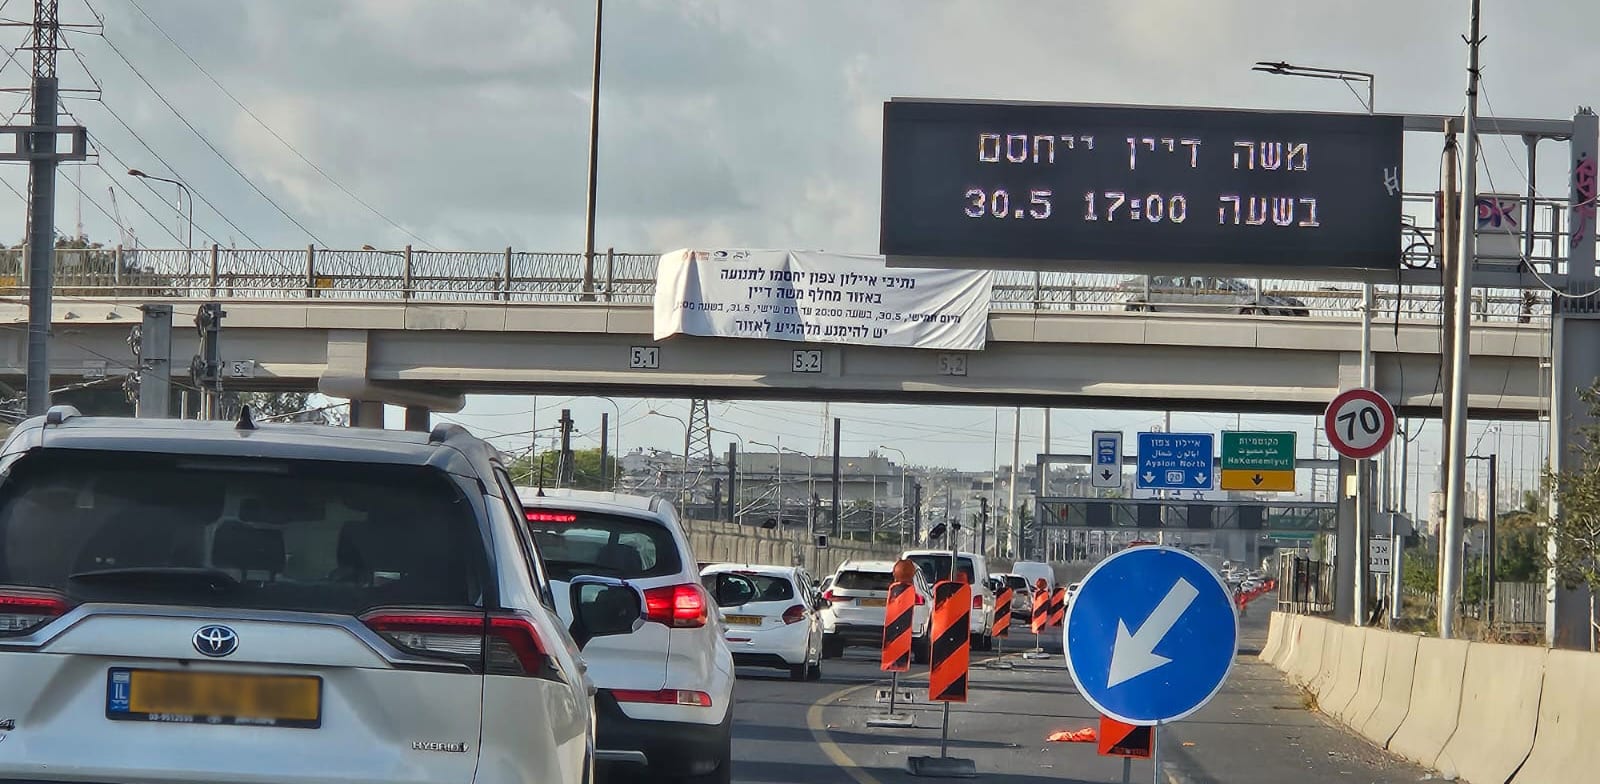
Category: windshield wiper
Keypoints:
(214, 580)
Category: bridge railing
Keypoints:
(629, 278)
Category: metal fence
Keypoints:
(1305, 586)
(1519, 603)
(629, 278)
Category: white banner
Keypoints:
(820, 298)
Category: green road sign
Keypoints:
(1258, 461)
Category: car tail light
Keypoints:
(977, 601)
(664, 697)
(22, 612)
(794, 614)
(827, 596)
(514, 644)
(921, 601)
(676, 606)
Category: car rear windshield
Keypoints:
(311, 536)
(1016, 583)
(862, 581)
(578, 542)
(769, 587)
(937, 567)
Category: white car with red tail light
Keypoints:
(224, 603)
(857, 605)
(776, 624)
(665, 694)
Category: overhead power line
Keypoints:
(269, 129)
(207, 142)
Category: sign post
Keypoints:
(1359, 423)
(1262, 462)
(1107, 469)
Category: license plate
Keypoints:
(873, 602)
(214, 698)
(743, 620)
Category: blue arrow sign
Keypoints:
(1175, 461)
(1151, 635)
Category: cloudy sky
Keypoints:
(755, 123)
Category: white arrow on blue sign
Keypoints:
(1151, 635)
(1175, 461)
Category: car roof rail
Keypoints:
(59, 414)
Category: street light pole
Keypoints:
(903, 506)
(594, 157)
(1364, 501)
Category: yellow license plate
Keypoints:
(743, 620)
(873, 602)
(214, 698)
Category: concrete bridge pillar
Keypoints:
(419, 419)
(366, 413)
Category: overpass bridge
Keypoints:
(425, 328)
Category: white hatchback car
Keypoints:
(666, 690)
(231, 603)
(856, 605)
(777, 625)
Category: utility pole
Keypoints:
(206, 367)
(594, 158)
(605, 452)
(1455, 476)
(838, 479)
(733, 484)
(153, 355)
(983, 524)
(40, 152)
(564, 472)
(1014, 533)
(916, 513)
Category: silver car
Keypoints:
(220, 602)
(1204, 294)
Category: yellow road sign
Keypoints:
(1240, 479)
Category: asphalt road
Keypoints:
(1256, 730)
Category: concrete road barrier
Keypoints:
(1369, 687)
(1564, 747)
(1332, 639)
(1308, 650)
(1275, 628)
(1499, 711)
(1343, 671)
(1394, 701)
(1291, 641)
(1435, 701)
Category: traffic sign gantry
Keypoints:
(1107, 469)
(1175, 461)
(1257, 461)
(1359, 423)
(1151, 635)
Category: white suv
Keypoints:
(223, 603)
(666, 690)
(935, 566)
(776, 624)
(857, 604)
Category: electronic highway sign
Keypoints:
(1078, 186)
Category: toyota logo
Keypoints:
(216, 640)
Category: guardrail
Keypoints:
(629, 278)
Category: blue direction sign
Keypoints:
(1151, 635)
(1175, 461)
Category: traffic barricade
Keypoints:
(1058, 608)
(951, 630)
(1039, 619)
(897, 616)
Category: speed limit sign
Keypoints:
(1359, 423)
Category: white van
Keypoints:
(1033, 571)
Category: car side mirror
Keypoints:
(733, 590)
(603, 607)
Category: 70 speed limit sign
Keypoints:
(1359, 423)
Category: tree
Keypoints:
(1575, 532)
(531, 471)
(281, 407)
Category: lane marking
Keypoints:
(833, 751)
